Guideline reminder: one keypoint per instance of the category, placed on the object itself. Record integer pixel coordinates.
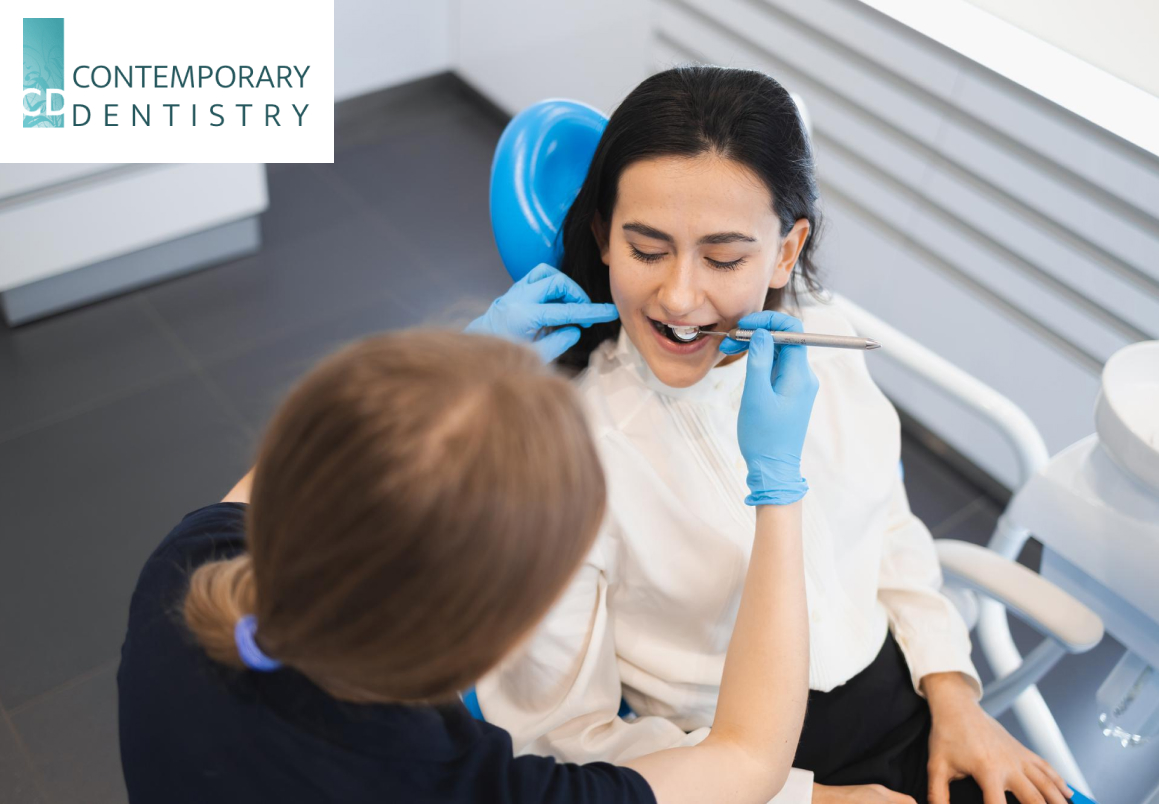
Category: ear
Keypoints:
(791, 247)
(600, 233)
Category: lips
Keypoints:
(670, 343)
(665, 329)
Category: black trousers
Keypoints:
(875, 729)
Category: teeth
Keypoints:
(685, 333)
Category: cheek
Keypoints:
(741, 295)
(628, 289)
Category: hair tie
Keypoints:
(247, 648)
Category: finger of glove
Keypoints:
(584, 315)
(730, 347)
(561, 287)
(539, 272)
(771, 319)
(792, 375)
(554, 344)
(759, 372)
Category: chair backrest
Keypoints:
(540, 163)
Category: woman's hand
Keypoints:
(858, 794)
(965, 741)
(774, 411)
(541, 299)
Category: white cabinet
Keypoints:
(71, 234)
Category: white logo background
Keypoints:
(216, 33)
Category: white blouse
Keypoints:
(650, 613)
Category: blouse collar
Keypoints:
(722, 384)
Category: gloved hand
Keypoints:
(544, 297)
(774, 411)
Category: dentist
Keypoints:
(419, 501)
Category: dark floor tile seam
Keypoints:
(63, 686)
(199, 370)
(363, 205)
(959, 516)
(271, 336)
(302, 324)
(26, 755)
(104, 400)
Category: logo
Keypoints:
(149, 82)
(43, 72)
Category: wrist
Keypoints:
(944, 690)
(775, 498)
(779, 518)
(776, 484)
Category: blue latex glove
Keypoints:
(774, 411)
(544, 297)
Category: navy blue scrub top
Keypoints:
(193, 730)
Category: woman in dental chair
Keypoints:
(700, 208)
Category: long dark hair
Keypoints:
(742, 115)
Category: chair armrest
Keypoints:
(1034, 599)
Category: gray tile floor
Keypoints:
(118, 418)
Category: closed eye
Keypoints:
(644, 256)
(727, 266)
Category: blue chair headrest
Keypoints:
(539, 165)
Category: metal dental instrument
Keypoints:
(803, 338)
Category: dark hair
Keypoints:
(742, 115)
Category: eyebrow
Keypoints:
(712, 239)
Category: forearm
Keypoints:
(240, 493)
(766, 674)
(747, 755)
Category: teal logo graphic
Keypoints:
(43, 72)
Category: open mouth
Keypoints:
(679, 334)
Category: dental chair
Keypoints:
(540, 162)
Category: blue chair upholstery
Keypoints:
(539, 165)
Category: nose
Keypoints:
(680, 293)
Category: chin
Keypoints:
(680, 375)
(674, 370)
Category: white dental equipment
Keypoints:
(1095, 508)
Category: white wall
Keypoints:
(514, 51)
(380, 43)
(1118, 36)
(517, 52)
